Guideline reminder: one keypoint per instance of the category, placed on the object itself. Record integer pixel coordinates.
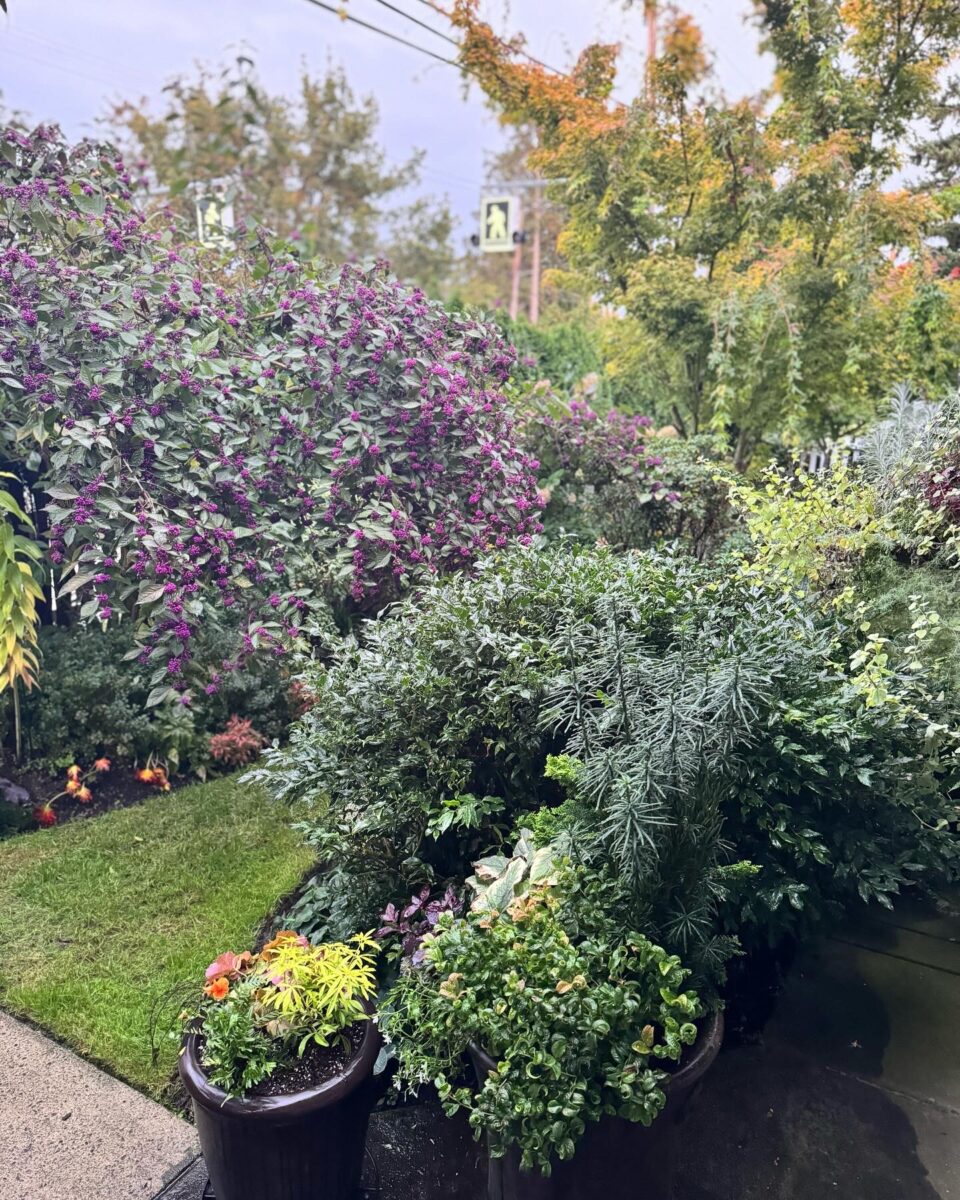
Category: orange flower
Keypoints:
(84, 795)
(219, 989)
(155, 776)
(44, 815)
(74, 772)
(73, 785)
(102, 764)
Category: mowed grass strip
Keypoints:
(100, 918)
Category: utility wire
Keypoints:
(523, 53)
(36, 60)
(345, 16)
(423, 24)
(62, 48)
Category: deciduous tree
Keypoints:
(308, 168)
(777, 285)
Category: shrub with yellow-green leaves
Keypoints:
(809, 528)
(19, 593)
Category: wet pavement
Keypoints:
(854, 1087)
(852, 1090)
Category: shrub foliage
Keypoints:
(705, 722)
(243, 432)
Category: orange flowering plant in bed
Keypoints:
(155, 774)
(76, 784)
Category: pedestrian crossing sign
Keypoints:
(498, 222)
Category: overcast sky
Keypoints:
(61, 60)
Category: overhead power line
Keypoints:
(523, 53)
(345, 16)
(423, 25)
(34, 59)
(450, 62)
(62, 48)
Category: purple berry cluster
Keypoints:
(593, 451)
(238, 430)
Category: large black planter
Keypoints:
(615, 1159)
(305, 1146)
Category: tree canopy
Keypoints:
(309, 168)
(778, 281)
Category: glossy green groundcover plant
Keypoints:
(579, 1017)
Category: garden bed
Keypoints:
(117, 788)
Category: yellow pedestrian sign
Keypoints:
(214, 221)
(498, 222)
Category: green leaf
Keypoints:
(159, 694)
(75, 582)
(150, 593)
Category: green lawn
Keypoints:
(100, 917)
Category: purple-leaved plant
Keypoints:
(411, 923)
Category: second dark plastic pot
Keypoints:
(305, 1146)
(615, 1159)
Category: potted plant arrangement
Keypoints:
(580, 1032)
(278, 1059)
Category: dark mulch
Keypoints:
(29, 787)
(318, 1064)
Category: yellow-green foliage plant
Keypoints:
(809, 528)
(19, 593)
(317, 991)
(259, 1011)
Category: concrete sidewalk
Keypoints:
(854, 1090)
(68, 1131)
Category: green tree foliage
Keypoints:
(779, 286)
(563, 351)
(309, 169)
(939, 157)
